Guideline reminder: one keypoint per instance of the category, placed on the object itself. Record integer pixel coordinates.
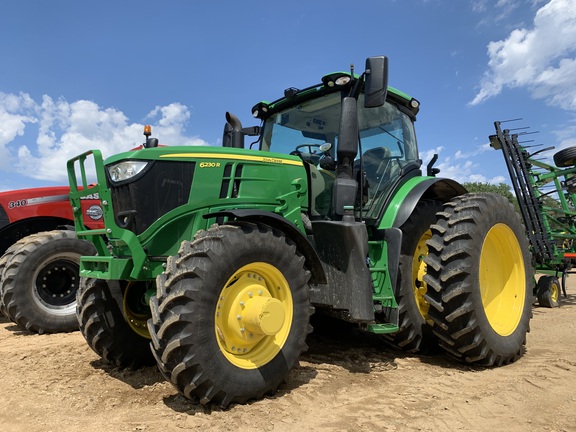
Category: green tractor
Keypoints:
(212, 260)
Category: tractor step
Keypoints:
(382, 328)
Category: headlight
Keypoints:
(125, 170)
(343, 80)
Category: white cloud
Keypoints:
(565, 137)
(541, 58)
(16, 111)
(461, 166)
(466, 172)
(496, 13)
(66, 129)
(171, 121)
(479, 6)
(427, 155)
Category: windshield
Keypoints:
(313, 122)
(317, 122)
(387, 141)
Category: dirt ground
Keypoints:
(348, 381)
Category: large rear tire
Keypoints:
(231, 314)
(480, 280)
(415, 332)
(40, 279)
(106, 330)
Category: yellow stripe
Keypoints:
(235, 157)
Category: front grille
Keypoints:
(163, 186)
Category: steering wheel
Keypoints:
(313, 154)
(310, 147)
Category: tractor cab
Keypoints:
(365, 155)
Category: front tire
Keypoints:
(480, 280)
(106, 330)
(40, 279)
(232, 314)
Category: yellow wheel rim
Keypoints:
(418, 272)
(554, 291)
(136, 311)
(254, 315)
(502, 279)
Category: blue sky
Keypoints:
(78, 75)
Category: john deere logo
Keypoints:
(273, 160)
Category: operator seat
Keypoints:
(379, 166)
(317, 188)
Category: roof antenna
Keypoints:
(354, 90)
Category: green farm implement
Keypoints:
(547, 196)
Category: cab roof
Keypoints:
(331, 83)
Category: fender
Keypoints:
(16, 230)
(400, 209)
(412, 192)
(272, 219)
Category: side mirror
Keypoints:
(376, 81)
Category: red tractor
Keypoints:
(40, 256)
